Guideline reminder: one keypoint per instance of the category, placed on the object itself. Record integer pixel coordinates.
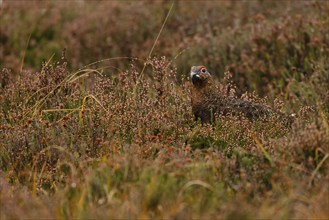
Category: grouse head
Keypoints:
(200, 76)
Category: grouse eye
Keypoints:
(203, 70)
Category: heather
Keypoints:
(96, 120)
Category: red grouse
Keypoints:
(207, 101)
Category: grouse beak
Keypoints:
(196, 79)
(193, 74)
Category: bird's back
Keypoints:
(251, 110)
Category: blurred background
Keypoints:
(263, 43)
(128, 146)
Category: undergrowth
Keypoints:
(114, 141)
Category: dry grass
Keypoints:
(112, 141)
